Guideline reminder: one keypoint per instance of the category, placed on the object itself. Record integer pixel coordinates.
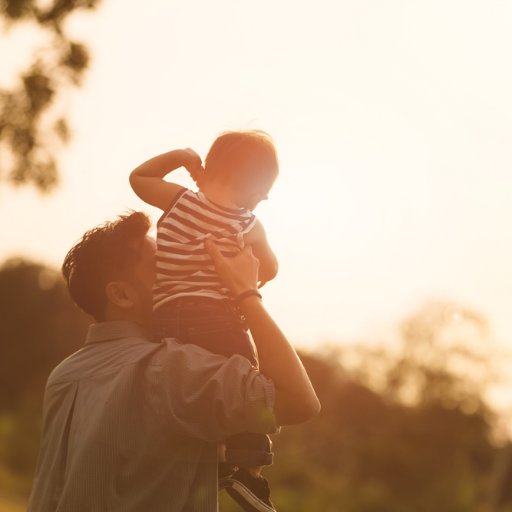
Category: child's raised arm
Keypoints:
(257, 239)
(147, 180)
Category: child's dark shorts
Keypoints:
(219, 327)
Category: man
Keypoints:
(132, 424)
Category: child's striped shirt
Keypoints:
(183, 267)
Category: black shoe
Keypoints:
(251, 493)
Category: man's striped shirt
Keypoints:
(183, 266)
(132, 426)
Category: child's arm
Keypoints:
(257, 239)
(147, 180)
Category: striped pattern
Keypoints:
(183, 265)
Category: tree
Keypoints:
(418, 438)
(446, 357)
(399, 430)
(31, 125)
(40, 326)
(367, 452)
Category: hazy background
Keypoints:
(391, 220)
(392, 121)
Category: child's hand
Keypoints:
(194, 165)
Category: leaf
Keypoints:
(16, 9)
(28, 121)
(62, 130)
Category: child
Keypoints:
(189, 300)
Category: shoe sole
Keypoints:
(224, 482)
(238, 491)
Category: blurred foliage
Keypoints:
(40, 326)
(400, 430)
(30, 125)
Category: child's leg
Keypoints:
(214, 326)
(208, 323)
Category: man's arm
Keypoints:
(147, 180)
(295, 400)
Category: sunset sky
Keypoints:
(393, 124)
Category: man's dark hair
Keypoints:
(102, 255)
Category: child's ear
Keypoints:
(119, 294)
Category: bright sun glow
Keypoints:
(394, 184)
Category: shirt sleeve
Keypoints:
(211, 397)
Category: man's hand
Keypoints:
(239, 273)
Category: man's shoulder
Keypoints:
(174, 349)
(210, 396)
(191, 365)
(98, 359)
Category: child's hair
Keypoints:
(244, 157)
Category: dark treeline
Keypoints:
(400, 431)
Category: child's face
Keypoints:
(255, 199)
(254, 195)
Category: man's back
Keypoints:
(131, 425)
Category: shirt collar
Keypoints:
(110, 331)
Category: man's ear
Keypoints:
(119, 294)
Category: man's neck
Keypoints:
(121, 315)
